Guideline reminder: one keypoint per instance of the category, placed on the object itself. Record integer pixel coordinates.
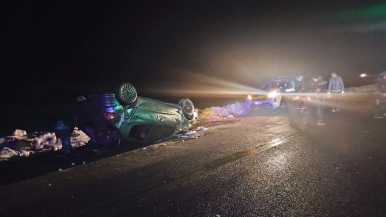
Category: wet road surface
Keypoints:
(255, 166)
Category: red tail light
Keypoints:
(109, 116)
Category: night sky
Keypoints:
(53, 51)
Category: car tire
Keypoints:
(126, 94)
(284, 106)
(187, 108)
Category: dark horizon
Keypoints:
(55, 51)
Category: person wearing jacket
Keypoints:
(322, 84)
(314, 92)
(381, 98)
(294, 100)
(335, 86)
(296, 85)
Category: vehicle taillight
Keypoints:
(109, 115)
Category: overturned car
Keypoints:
(112, 117)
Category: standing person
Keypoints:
(335, 86)
(381, 98)
(295, 100)
(296, 85)
(314, 93)
(322, 84)
(299, 87)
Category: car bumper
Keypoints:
(272, 103)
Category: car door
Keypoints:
(169, 122)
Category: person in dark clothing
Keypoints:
(63, 133)
(297, 84)
(296, 102)
(336, 86)
(299, 88)
(322, 84)
(381, 98)
(314, 91)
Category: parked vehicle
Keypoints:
(270, 94)
(124, 116)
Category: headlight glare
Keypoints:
(272, 94)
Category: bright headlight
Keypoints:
(272, 94)
(249, 97)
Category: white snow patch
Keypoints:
(79, 138)
(42, 141)
(19, 133)
(47, 139)
(236, 109)
(7, 153)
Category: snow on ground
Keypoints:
(236, 109)
(7, 153)
(23, 144)
(20, 133)
(79, 138)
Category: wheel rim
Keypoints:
(128, 93)
(188, 107)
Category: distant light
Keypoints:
(363, 75)
(249, 97)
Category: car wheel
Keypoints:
(187, 108)
(126, 94)
(283, 106)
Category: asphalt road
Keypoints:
(255, 166)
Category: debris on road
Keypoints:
(189, 133)
(202, 128)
